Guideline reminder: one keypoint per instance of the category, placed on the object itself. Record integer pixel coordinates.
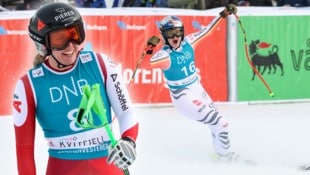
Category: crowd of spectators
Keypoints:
(184, 4)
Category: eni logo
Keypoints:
(264, 62)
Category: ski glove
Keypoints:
(153, 40)
(152, 43)
(123, 154)
(229, 9)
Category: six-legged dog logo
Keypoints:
(262, 62)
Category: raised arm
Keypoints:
(194, 38)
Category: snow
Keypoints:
(275, 136)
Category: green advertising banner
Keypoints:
(279, 47)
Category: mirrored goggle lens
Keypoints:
(59, 39)
(173, 33)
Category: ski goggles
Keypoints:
(173, 33)
(59, 39)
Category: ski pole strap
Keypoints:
(100, 110)
(85, 116)
(92, 103)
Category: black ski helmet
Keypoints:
(51, 17)
(170, 23)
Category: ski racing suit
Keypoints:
(52, 99)
(187, 94)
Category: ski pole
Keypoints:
(249, 60)
(92, 101)
(151, 44)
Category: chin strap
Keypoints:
(60, 65)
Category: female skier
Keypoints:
(176, 59)
(51, 92)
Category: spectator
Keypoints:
(3, 9)
(182, 4)
(218, 3)
(293, 3)
(32, 4)
(150, 3)
(35, 4)
(128, 3)
(255, 3)
(98, 3)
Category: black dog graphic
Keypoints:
(269, 61)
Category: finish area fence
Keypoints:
(277, 41)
